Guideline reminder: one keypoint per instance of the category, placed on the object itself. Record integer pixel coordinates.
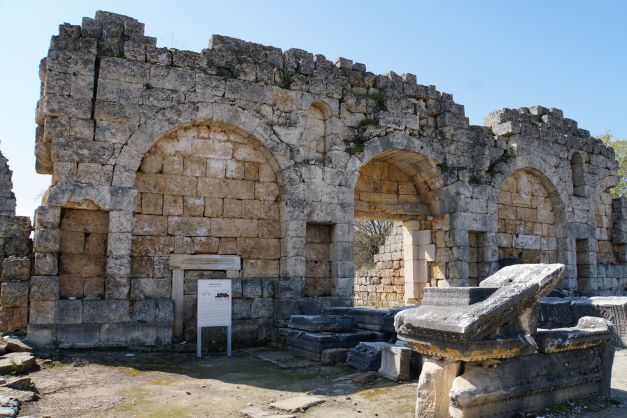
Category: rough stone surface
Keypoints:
(19, 362)
(15, 252)
(476, 350)
(396, 363)
(510, 310)
(297, 404)
(322, 323)
(244, 149)
(334, 355)
(366, 356)
(566, 312)
(311, 345)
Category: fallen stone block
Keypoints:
(334, 355)
(366, 356)
(9, 406)
(20, 395)
(396, 363)
(17, 363)
(322, 323)
(589, 331)
(284, 360)
(257, 412)
(13, 345)
(556, 313)
(381, 320)
(21, 383)
(297, 404)
(311, 344)
(364, 378)
(612, 308)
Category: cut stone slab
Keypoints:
(297, 404)
(20, 383)
(20, 395)
(9, 405)
(498, 326)
(613, 308)
(17, 363)
(396, 363)
(589, 332)
(366, 356)
(284, 359)
(556, 312)
(334, 355)
(547, 379)
(311, 344)
(322, 323)
(381, 320)
(445, 296)
(256, 412)
(13, 345)
(364, 378)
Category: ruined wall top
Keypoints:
(398, 101)
(7, 197)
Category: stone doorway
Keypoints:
(395, 204)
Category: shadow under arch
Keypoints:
(170, 119)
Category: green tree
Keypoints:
(620, 149)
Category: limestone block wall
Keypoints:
(383, 285)
(526, 225)
(244, 149)
(15, 263)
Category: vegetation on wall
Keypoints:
(620, 149)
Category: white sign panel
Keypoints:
(214, 310)
(214, 303)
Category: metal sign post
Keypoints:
(214, 310)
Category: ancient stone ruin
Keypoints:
(15, 262)
(486, 357)
(247, 162)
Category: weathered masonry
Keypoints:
(267, 157)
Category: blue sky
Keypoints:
(488, 54)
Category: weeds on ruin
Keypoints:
(379, 98)
(443, 166)
(355, 146)
(288, 78)
(504, 158)
(368, 122)
(474, 180)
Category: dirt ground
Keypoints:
(136, 384)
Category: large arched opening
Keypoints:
(209, 188)
(531, 224)
(397, 209)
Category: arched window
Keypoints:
(576, 167)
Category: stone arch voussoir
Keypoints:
(170, 119)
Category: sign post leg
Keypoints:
(199, 342)
(228, 341)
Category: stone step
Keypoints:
(322, 323)
(311, 344)
(367, 318)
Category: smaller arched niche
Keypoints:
(576, 167)
(314, 144)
